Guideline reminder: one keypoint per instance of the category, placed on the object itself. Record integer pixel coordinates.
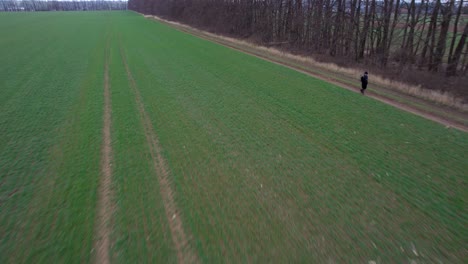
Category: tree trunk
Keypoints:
(455, 31)
(440, 49)
(407, 23)
(452, 67)
(428, 43)
(365, 30)
(357, 26)
(395, 20)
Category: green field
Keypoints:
(217, 156)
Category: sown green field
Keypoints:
(216, 156)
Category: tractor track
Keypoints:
(185, 254)
(104, 214)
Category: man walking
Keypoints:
(364, 81)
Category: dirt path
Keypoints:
(185, 253)
(102, 243)
(394, 103)
(386, 100)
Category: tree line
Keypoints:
(42, 5)
(428, 35)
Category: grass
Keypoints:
(347, 75)
(50, 142)
(141, 230)
(266, 164)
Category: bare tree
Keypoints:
(452, 67)
(430, 37)
(440, 49)
(455, 31)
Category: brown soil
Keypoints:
(406, 107)
(102, 242)
(185, 253)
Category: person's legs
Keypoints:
(363, 88)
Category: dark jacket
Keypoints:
(364, 81)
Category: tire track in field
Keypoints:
(185, 254)
(102, 241)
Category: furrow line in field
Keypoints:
(102, 243)
(185, 254)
